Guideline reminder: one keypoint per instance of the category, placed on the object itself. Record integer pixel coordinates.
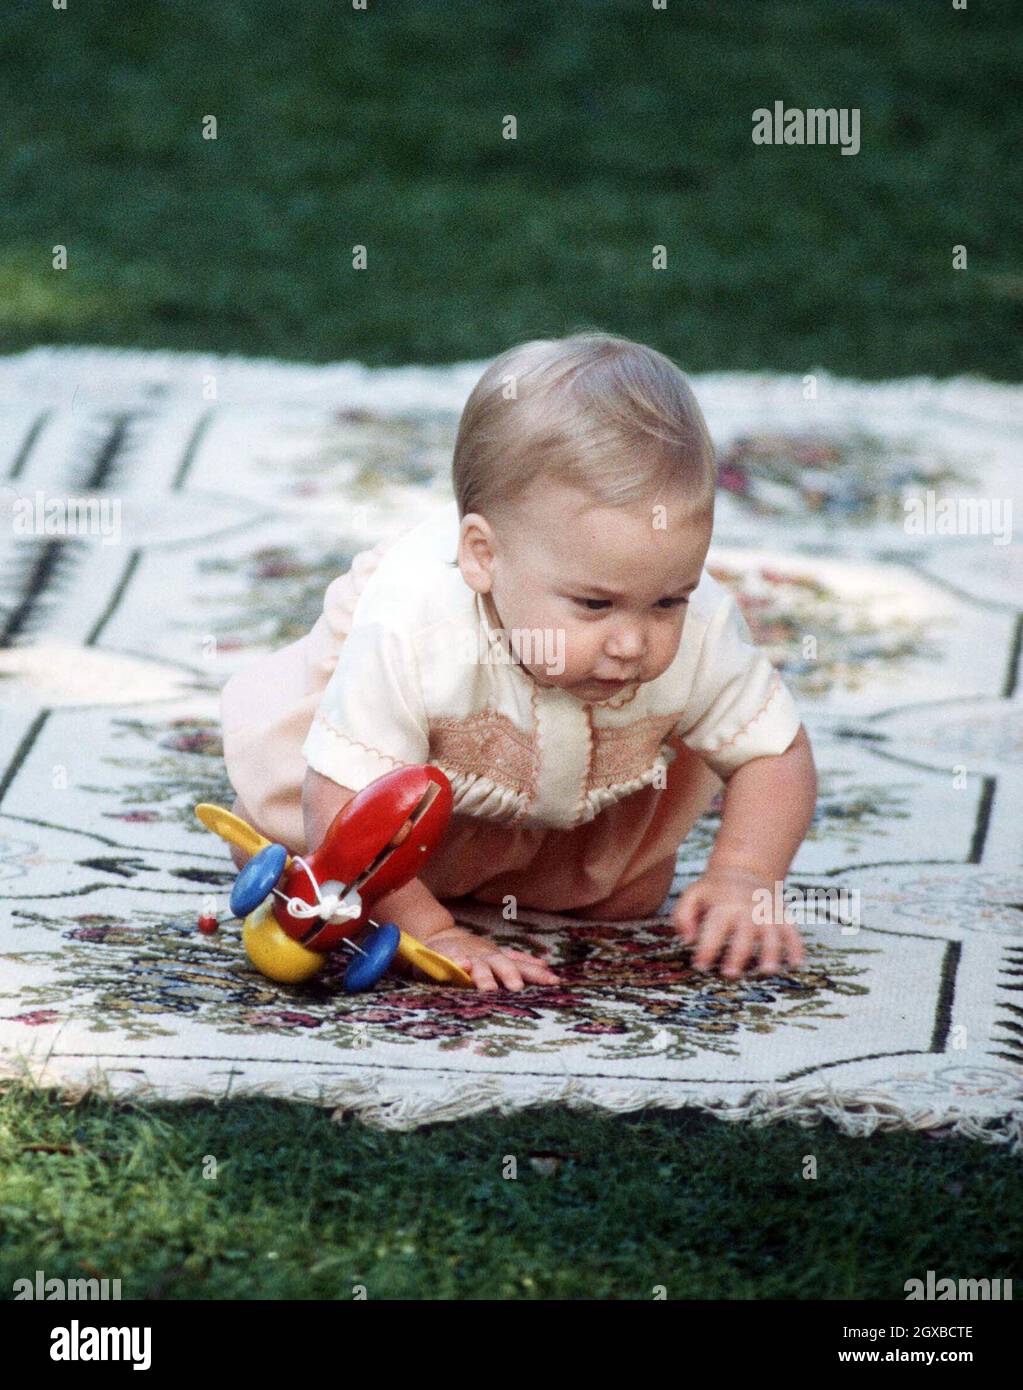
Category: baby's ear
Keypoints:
(475, 556)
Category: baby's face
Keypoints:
(607, 586)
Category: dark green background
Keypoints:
(383, 128)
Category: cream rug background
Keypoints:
(244, 487)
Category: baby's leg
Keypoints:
(640, 898)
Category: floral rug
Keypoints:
(242, 489)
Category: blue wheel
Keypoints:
(380, 948)
(257, 879)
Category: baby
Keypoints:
(553, 643)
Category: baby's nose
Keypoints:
(626, 644)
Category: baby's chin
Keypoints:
(598, 695)
(592, 692)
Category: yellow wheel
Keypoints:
(273, 952)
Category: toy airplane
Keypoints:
(297, 909)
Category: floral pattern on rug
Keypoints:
(182, 765)
(854, 649)
(849, 814)
(625, 991)
(282, 599)
(362, 453)
(854, 477)
(977, 902)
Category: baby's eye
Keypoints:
(593, 605)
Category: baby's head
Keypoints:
(585, 477)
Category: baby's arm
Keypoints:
(768, 806)
(415, 910)
(411, 907)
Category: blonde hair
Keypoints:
(610, 416)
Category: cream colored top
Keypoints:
(422, 677)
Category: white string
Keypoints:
(332, 907)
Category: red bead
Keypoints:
(207, 924)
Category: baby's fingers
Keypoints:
(506, 971)
(770, 954)
(717, 927)
(740, 950)
(481, 974)
(531, 966)
(769, 962)
(537, 973)
(688, 911)
(785, 939)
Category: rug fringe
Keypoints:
(857, 1114)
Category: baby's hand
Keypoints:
(724, 899)
(490, 965)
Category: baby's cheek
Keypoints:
(557, 646)
(666, 651)
(581, 653)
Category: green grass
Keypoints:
(383, 128)
(305, 1208)
(339, 128)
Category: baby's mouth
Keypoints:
(611, 685)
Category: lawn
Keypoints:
(603, 1207)
(338, 128)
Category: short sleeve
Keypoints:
(371, 717)
(739, 707)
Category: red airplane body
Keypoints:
(376, 843)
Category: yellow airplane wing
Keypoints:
(231, 828)
(432, 963)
